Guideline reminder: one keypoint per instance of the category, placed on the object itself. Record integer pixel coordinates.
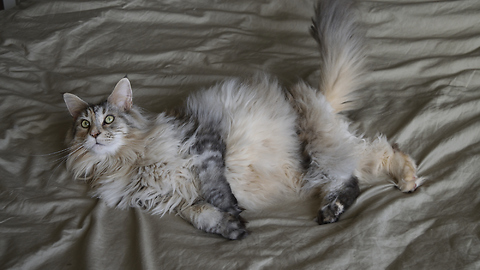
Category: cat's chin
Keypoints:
(103, 150)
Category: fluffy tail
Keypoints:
(341, 50)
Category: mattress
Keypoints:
(422, 90)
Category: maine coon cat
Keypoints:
(242, 144)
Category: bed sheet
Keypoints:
(422, 91)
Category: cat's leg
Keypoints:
(211, 219)
(380, 159)
(210, 166)
(339, 190)
(329, 150)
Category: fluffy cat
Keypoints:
(242, 144)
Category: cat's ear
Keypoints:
(75, 105)
(122, 95)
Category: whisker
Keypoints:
(64, 158)
(56, 168)
(53, 153)
(68, 151)
(80, 147)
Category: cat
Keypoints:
(241, 144)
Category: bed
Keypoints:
(423, 92)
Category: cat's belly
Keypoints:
(257, 185)
(262, 147)
(263, 155)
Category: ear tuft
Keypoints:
(75, 105)
(122, 95)
(395, 147)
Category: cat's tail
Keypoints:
(341, 51)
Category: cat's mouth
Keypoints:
(98, 147)
(99, 142)
(101, 146)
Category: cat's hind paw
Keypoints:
(338, 201)
(330, 212)
(409, 186)
(402, 170)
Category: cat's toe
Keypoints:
(330, 212)
(235, 210)
(338, 201)
(410, 186)
(235, 228)
(407, 187)
(237, 234)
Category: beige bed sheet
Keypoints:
(423, 91)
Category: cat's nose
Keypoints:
(95, 133)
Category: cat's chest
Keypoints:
(165, 174)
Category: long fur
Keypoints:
(241, 143)
(260, 166)
(150, 171)
(342, 61)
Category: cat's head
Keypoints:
(100, 129)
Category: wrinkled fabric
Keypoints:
(422, 90)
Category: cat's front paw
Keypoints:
(234, 227)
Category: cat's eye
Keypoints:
(109, 119)
(85, 124)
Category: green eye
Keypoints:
(85, 124)
(109, 119)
